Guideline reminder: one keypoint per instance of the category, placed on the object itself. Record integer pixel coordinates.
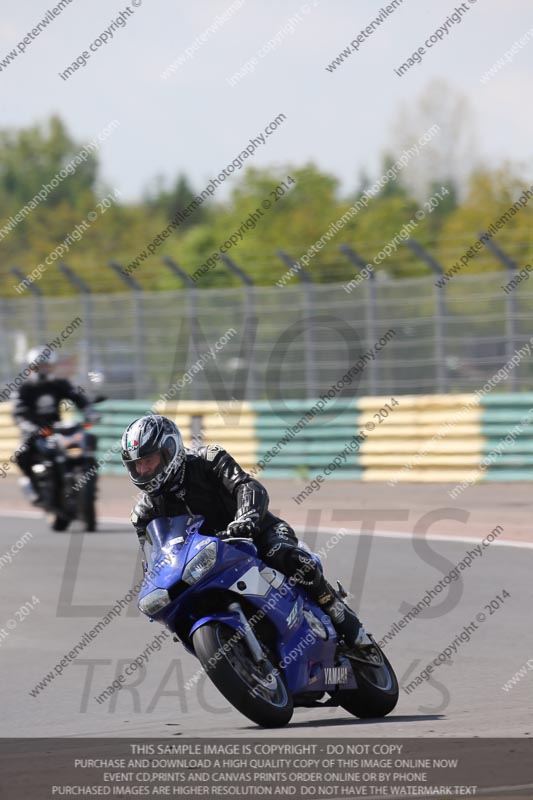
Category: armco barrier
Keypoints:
(289, 452)
(507, 427)
(9, 435)
(425, 438)
(450, 438)
(234, 428)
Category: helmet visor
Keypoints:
(144, 469)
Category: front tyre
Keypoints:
(377, 692)
(87, 500)
(256, 690)
(60, 522)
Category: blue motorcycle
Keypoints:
(262, 641)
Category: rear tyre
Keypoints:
(257, 691)
(377, 692)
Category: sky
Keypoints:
(195, 122)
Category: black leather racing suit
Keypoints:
(216, 487)
(37, 406)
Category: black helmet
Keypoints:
(150, 437)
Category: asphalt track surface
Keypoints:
(77, 577)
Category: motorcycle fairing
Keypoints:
(307, 659)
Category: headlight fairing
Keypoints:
(200, 564)
(154, 601)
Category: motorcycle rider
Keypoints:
(37, 407)
(210, 482)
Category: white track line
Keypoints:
(437, 537)
(40, 515)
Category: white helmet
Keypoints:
(41, 356)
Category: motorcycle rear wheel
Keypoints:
(257, 691)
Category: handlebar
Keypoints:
(224, 537)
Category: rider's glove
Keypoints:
(222, 535)
(244, 526)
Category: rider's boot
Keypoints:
(345, 621)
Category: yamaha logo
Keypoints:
(336, 674)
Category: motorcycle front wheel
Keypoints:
(59, 522)
(256, 690)
(87, 500)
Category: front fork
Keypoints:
(50, 477)
(43, 473)
(249, 636)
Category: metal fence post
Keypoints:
(439, 320)
(139, 339)
(311, 382)
(5, 363)
(193, 343)
(37, 293)
(371, 307)
(83, 287)
(511, 310)
(250, 390)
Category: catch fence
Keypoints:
(288, 343)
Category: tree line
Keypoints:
(285, 208)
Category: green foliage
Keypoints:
(30, 159)
(259, 217)
(489, 195)
(169, 203)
